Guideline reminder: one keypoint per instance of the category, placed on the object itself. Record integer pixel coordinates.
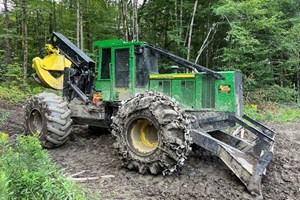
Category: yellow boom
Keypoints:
(50, 69)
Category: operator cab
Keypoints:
(123, 68)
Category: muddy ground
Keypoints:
(203, 177)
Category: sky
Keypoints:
(2, 1)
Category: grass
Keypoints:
(26, 172)
(273, 112)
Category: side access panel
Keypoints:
(201, 91)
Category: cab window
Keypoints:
(106, 60)
(122, 68)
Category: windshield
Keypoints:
(146, 63)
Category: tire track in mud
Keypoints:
(203, 177)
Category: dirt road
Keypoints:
(203, 177)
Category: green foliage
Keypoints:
(262, 40)
(272, 112)
(11, 74)
(273, 93)
(280, 94)
(13, 94)
(17, 94)
(3, 117)
(27, 173)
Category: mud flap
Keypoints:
(247, 159)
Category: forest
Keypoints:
(260, 38)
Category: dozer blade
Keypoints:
(49, 70)
(247, 159)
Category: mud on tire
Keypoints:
(151, 134)
(48, 116)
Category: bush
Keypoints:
(274, 93)
(11, 74)
(27, 173)
(14, 94)
(12, 88)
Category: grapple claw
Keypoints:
(49, 70)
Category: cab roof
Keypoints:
(116, 43)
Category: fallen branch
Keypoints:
(108, 176)
(84, 179)
(76, 174)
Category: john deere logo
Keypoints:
(224, 89)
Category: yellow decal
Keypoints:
(121, 90)
(224, 89)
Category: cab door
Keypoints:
(122, 62)
(104, 82)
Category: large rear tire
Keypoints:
(48, 116)
(151, 134)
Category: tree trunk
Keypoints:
(298, 78)
(211, 33)
(175, 11)
(135, 27)
(87, 27)
(25, 41)
(78, 23)
(125, 26)
(154, 35)
(81, 28)
(207, 49)
(204, 45)
(120, 18)
(60, 16)
(8, 40)
(19, 25)
(191, 30)
(50, 24)
(54, 15)
(181, 11)
(166, 27)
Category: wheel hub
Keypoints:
(35, 122)
(143, 137)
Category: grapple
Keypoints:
(49, 70)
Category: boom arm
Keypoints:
(73, 53)
(79, 80)
(185, 63)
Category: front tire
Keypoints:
(151, 134)
(48, 116)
